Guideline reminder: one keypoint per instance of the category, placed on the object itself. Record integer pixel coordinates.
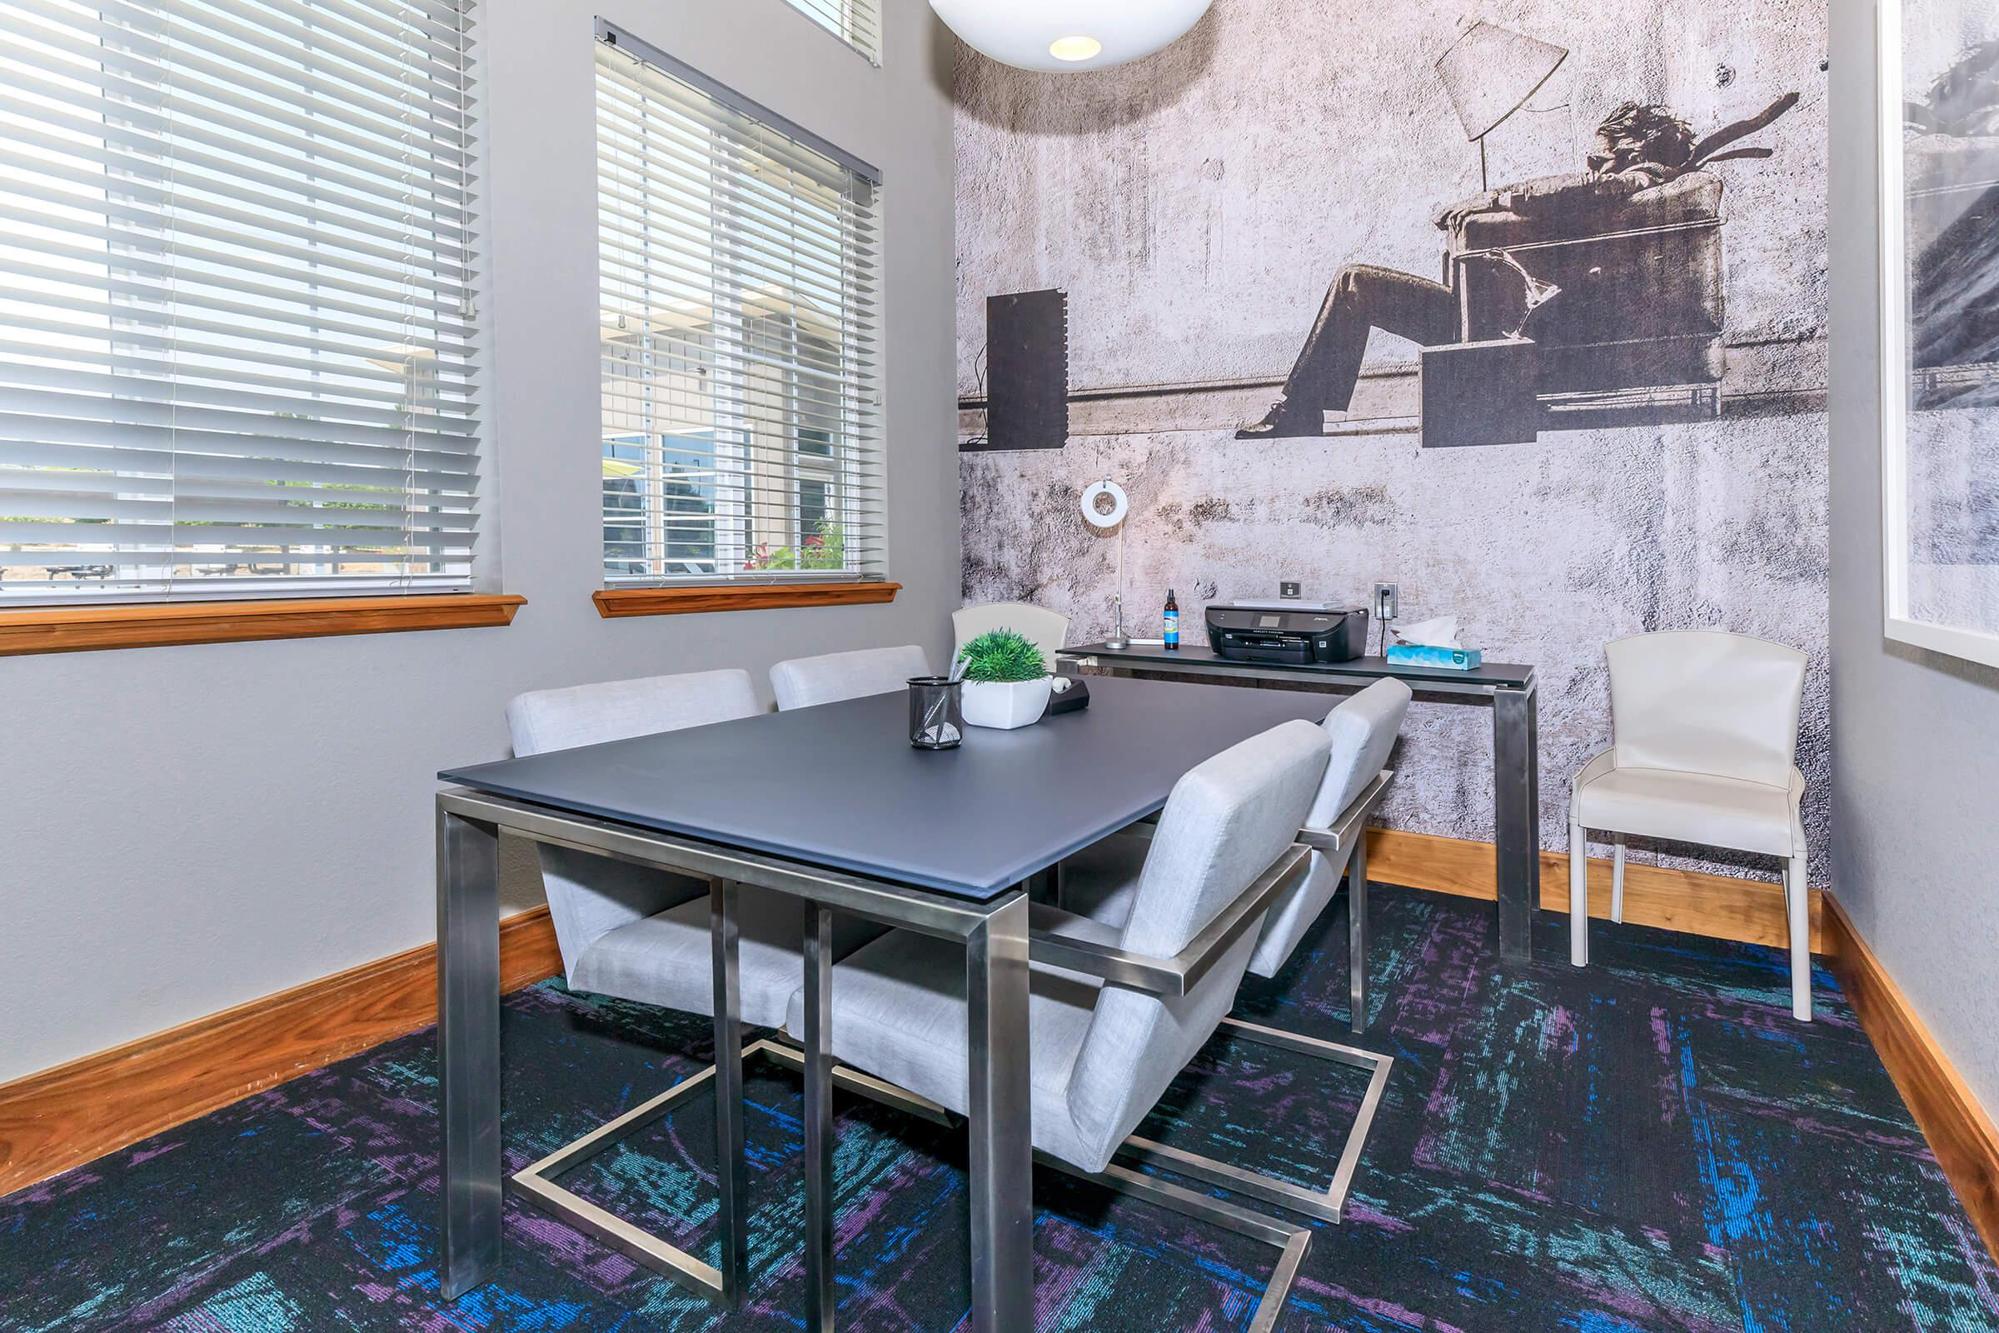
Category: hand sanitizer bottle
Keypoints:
(1172, 619)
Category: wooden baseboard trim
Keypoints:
(1718, 906)
(63, 1117)
(1960, 1132)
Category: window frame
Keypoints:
(198, 606)
(860, 460)
(144, 584)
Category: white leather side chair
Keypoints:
(1045, 629)
(1100, 882)
(1705, 731)
(630, 931)
(805, 681)
(590, 897)
(1103, 1052)
(637, 933)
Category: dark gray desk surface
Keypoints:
(840, 785)
(1503, 675)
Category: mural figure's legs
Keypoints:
(1361, 299)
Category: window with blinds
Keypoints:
(738, 267)
(856, 22)
(235, 284)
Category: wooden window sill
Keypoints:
(688, 599)
(71, 628)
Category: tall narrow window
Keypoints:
(235, 284)
(737, 271)
(856, 22)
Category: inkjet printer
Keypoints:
(1287, 634)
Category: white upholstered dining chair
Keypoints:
(1045, 629)
(1704, 734)
(630, 931)
(637, 933)
(1105, 1044)
(1101, 881)
(805, 681)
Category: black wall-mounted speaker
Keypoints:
(1027, 371)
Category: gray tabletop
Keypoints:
(1502, 675)
(839, 785)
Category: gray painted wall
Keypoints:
(1915, 735)
(188, 828)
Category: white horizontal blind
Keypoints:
(235, 281)
(857, 22)
(737, 276)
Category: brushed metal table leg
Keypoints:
(1357, 936)
(1517, 832)
(819, 1132)
(1002, 1159)
(468, 1047)
(731, 1170)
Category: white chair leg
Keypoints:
(1617, 879)
(1798, 908)
(1578, 896)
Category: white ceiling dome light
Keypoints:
(1069, 34)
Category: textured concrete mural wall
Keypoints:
(1196, 206)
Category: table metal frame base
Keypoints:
(993, 935)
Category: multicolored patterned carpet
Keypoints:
(1649, 1144)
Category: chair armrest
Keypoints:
(1182, 972)
(1351, 824)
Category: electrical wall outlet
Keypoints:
(1387, 601)
(1288, 589)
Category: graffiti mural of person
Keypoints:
(1635, 148)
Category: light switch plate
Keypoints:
(1288, 590)
(1387, 601)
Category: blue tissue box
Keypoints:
(1424, 655)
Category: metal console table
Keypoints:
(1510, 690)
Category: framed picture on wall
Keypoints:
(1939, 100)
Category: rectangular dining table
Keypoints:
(833, 806)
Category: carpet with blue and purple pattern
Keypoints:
(1651, 1143)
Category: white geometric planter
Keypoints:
(1004, 706)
